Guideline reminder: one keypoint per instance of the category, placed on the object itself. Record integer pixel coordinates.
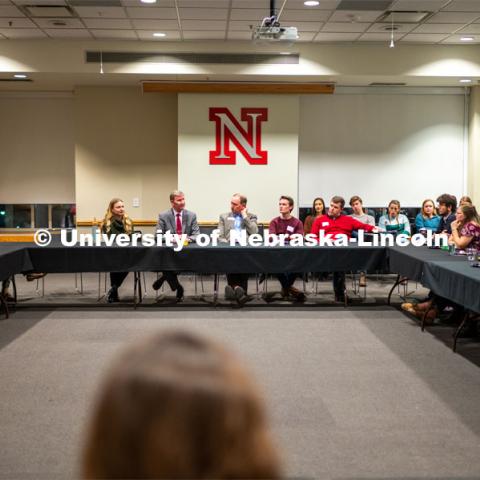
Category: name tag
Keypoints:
(325, 224)
(290, 228)
(230, 218)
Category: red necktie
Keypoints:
(179, 224)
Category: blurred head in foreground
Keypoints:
(179, 406)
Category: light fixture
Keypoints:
(467, 39)
(465, 80)
(311, 3)
(19, 75)
(392, 43)
(148, 1)
(159, 34)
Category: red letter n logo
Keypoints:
(228, 128)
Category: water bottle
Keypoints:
(451, 249)
(94, 229)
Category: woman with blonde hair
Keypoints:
(427, 219)
(179, 406)
(115, 222)
(466, 228)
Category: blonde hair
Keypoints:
(179, 406)
(106, 224)
(434, 211)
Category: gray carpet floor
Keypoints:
(355, 393)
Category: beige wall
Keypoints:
(125, 146)
(473, 185)
(37, 149)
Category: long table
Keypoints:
(448, 276)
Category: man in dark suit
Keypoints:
(180, 221)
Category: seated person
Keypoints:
(359, 214)
(465, 233)
(287, 224)
(115, 222)
(446, 206)
(335, 223)
(179, 220)
(394, 221)
(178, 406)
(427, 219)
(464, 200)
(318, 209)
(238, 218)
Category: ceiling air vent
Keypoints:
(95, 3)
(49, 11)
(404, 17)
(365, 5)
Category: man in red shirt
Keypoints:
(335, 224)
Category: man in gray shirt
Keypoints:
(359, 214)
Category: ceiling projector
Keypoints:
(274, 33)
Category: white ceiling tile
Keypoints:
(424, 38)
(101, 12)
(148, 35)
(473, 28)
(114, 34)
(22, 33)
(158, 3)
(250, 14)
(299, 4)
(383, 27)
(457, 39)
(418, 5)
(304, 16)
(203, 25)
(10, 11)
(102, 23)
(239, 35)
(340, 27)
(50, 23)
(438, 27)
(258, 4)
(453, 17)
(336, 37)
(354, 15)
(203, 13)
(308, 26)
(156, 25)
(463, 6)
(238, 25)
(203, 3)
(152, 12)
(305, 36)
(18, 23)
(379, 37)
(212, 35)
(67, 33)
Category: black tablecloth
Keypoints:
(220, 259)
(14, 258)
(457, 281)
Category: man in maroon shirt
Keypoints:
(335, 224)
(287, 224)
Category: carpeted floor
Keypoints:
(353, 393)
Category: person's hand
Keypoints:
(454, 225)
(377, 230)
(239, 208)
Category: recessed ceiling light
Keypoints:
(284, 53)
(467, 39)
(159, 34)
(148, 1)
(311, 3)
(20, 75)
(465, 80)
